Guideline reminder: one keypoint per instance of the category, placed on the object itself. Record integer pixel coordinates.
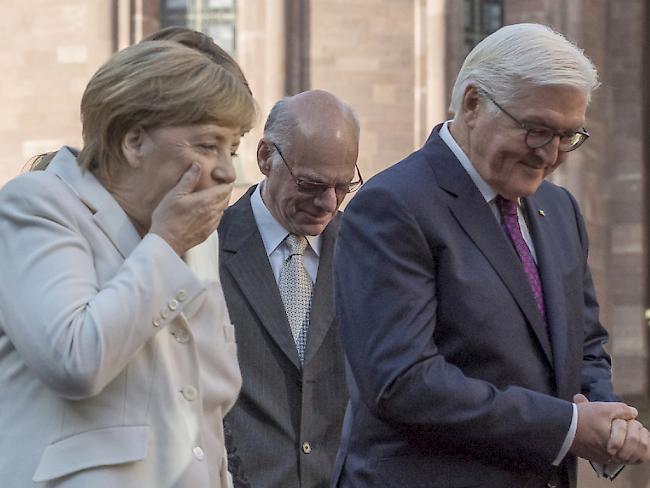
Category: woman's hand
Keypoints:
(185, 218)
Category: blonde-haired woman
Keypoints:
(117, 364)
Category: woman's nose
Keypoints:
(224, 172)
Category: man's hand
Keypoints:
(633, 439)
(184, 217)
(592, 439)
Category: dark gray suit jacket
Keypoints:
(456, 381)
(287, 421)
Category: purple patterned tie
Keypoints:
(510, 223)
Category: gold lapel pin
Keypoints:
(541, 212)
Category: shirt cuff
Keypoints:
(609, 471)
(568, 440)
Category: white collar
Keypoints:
(107, 213)
(272, 232)
(486, 190)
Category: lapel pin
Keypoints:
(541, 212)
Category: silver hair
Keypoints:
(279, 126)
(282, 122)
(521, 55)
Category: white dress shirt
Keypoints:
(273, 235)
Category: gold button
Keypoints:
(181, 296)
(189, 393)
(164, 313)
(173, 304)
(306, 448)
(198, 453)
(156, 322)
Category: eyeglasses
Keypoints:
(313, 188)
(537, 136)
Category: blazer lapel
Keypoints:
(244, 256)
(116, 225)
(547, 249)
(107, 213)
(322, 309)
(477, 220)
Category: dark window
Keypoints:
(482, 18)
(216, 18)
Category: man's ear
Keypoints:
(472, 105)
(264, 159)
(132, 146)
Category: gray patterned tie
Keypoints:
(296, 291)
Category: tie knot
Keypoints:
(506, 207)
(296, 244)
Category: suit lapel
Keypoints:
(322, 309)
(107, 213)
(477, 220)
(244, 256)
(547, 249)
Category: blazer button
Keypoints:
(181, 336)
(164, 313)
(198, 453)
(189, 393)
(173, 304)
(306, 448)
(181, 296)
(156, 322)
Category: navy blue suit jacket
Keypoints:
(454, 378)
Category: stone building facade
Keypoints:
(394, 61)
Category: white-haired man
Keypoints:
(465, 302)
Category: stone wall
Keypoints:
(50, 50)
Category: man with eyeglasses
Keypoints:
(276, 246)
(464, 299)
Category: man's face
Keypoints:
(322, 159)
(497, 145)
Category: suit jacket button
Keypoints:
(306, 448)
(181, 296)
(198, 453)
(156, 322)
(189, 393)
(173, 304)
(181, 335)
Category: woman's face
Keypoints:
(165, 154)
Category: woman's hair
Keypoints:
(203, 43)
(518, 56)
(156, 84)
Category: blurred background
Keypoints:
(395, 62)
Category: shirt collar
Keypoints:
(272, 232)
(486, 190)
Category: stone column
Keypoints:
(261, 54)
(430, 88)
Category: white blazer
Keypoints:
(117, 363)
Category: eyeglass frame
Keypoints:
(320, 188)
(529, 129)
